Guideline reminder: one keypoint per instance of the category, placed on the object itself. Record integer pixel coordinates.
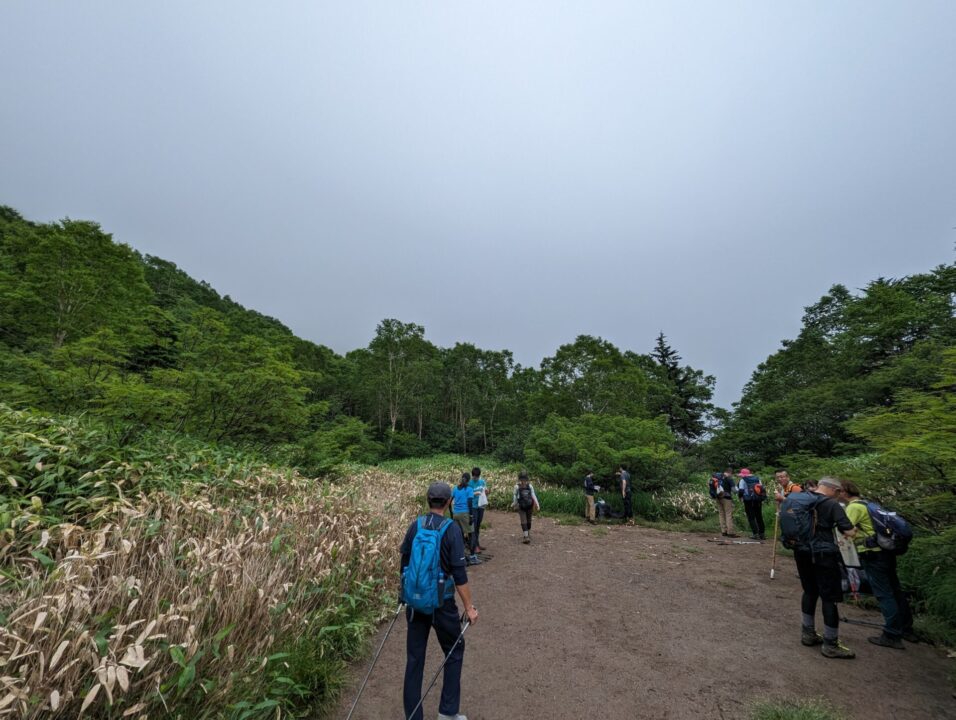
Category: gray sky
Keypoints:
(505, 173)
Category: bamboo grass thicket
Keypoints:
(176, 606)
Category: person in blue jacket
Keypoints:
(461, 502)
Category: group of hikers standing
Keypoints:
(811, 524)
(436, 551)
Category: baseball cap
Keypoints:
(439, 491)
(830, 483)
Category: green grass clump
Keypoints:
(795, 710)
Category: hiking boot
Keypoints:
(910, 637)
(473, 560)
(754, 537)
(763, 537)
(526, 540)
(836, 649)
(885, 640)
(732, 535)
(456, 716)
(810, 637)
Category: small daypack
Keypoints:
(715, 488)
(892, 533)
(754, 490)
(798, 523)
(525, 498)
(424, 585)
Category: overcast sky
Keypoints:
(511, 174)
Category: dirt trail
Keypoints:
(627, 622)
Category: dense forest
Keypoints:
(89, 325)
(138, 400)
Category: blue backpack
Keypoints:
(891, 532)
(424, 585)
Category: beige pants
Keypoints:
(590, 509)
(725, 513)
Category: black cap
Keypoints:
(523, 475)
(439, 491)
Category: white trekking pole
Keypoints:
(374, 660)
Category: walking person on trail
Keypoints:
(589, 489)
(785, 486)
(626, 494)
(461, 513)
(450, 559)
(807, 523)
(526, 502)
(479, 489)
(880, 568)
(722, 491)
(752, 492)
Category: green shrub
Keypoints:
(561, 450)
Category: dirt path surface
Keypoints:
(620, 622)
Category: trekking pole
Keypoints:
(440, 668)
(374, 660)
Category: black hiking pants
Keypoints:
(477, 515)
(447, 628)
(628, 506)
(754, 509)
(525, 517)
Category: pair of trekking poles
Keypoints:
(465, 626)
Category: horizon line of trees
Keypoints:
(90, 325)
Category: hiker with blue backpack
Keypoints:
(808, 521)
(879, 564)
(753, 493)
(433, 570)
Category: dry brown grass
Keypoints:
(169, 603)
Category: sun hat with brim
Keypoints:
(745, 472)
(439, 491)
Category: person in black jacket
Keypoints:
(820, 566)
(444, 619)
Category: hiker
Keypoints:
(461, 513)
(589, 489)
(479, 489)
(880, 568)
(451, 559)
(807, 522)
(785, 486)
(526, 502)
(722, 490)
(751, 491)
(626, 494)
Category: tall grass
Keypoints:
(238, 591)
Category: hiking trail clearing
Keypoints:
(624, 622)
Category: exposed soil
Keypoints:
(627, 622)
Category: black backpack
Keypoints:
(798, 523)
(525, 498)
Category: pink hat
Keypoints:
(744, 472)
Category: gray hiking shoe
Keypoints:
(836, 649)
(889, 641)
(810, 637)
(458, 716)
